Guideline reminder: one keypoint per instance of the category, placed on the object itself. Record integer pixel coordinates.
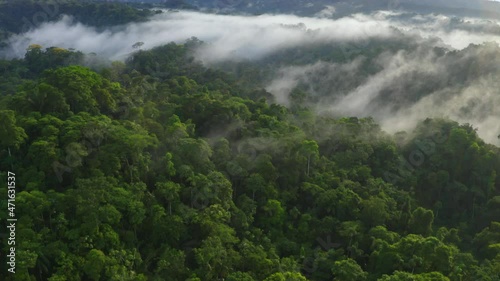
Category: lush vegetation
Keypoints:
(162, 169)
(18, 16)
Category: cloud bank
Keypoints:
(410, 84)
(230, 37)
(250, 37)
(409, 87)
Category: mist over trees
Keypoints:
(285, 166)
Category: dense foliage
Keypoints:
(18, 16)
(162, 169)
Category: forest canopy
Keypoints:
(163, 167)
(189, 173)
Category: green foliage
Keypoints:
(421, 221)
(348, 270)
(12, 135)
(180, 175)
(87, 12)
(404, 276)
(292, 276)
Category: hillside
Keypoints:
(181, 174)
(306, 149)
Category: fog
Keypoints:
(414, 86)
(230, 37)
(411, 84)
(250, 37)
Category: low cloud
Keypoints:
(229, 37)
(251, 37)
(410, 84)
(409, 87)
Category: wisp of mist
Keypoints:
(239, 37)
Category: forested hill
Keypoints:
(163, 169)
(17, 16)
(337, 8)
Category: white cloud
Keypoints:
(242, 37)
(252, 37)
(327, 12)
(236, 37)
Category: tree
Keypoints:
(171, 262)
(216, 257)
(487, 241)
(12, 135)
(240, 276)
(405, 276)
(273, 214)
(310, 149)
(374, 211)
(94, 264)
(348, 270)
(421, 221)
(286, 276)
(168, 191)
(83, 89)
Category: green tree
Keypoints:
(348, 270)
(12, 135)
(421, 221)
(309, 149)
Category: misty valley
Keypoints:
(244, 140)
